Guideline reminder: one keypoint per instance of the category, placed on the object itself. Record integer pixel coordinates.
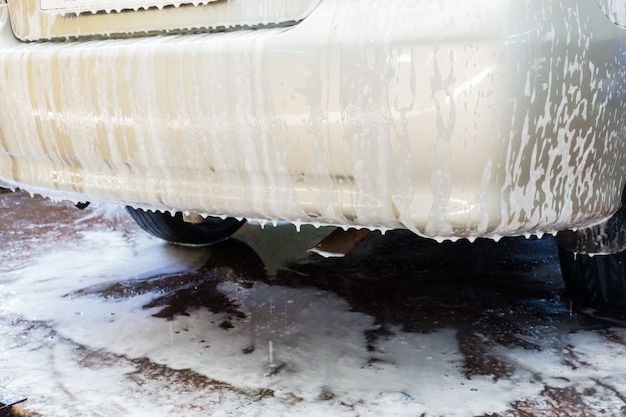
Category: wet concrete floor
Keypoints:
(99, 319)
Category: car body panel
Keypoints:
(615, 10)
(450, 119)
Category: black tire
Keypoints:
(597, 281)
(176, 230)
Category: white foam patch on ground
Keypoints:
(587, 361)
(81, 355)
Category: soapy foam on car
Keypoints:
(215, 137)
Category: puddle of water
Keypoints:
(101, 319)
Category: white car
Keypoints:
(454, 119)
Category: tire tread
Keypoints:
(175, 230)
(597, 281)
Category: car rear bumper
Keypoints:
(450, 120)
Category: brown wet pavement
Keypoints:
(99, 319)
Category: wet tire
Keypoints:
(597, 281)
(176, 230)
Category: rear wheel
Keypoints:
(593, 263)
(174, 229)
(597, 281)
